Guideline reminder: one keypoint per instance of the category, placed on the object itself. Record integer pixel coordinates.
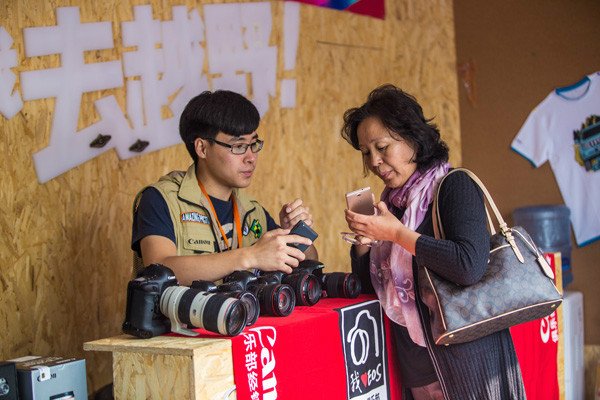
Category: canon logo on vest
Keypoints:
(198, 241)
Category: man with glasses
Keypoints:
(199, 223)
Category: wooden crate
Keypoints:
(169, 367)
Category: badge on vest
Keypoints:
(256, 228)
(194, 216)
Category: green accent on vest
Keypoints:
(256, 228)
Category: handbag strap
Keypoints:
(506, 231)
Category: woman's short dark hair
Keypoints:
(212, 112)
(400, 113)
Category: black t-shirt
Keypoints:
(153, 218)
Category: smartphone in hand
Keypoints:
(361, 201)
(301, 229)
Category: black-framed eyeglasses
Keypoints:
(241, 148)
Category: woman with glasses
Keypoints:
(198, 222)
(404, 149)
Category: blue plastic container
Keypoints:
(549, 228)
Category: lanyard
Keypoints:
(236, 217)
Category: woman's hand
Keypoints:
(381, 226)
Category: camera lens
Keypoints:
(236, 321)
(307, 288)
(276, 299)
(211, 311)
(340, 284)
(235, 290)
(251, 304)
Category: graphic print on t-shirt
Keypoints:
(587, 143)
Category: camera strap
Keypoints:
(236, 218)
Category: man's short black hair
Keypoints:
(212, 112)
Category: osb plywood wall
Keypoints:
(64, 244)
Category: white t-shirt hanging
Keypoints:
(564, 129)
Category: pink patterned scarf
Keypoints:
(391, 264)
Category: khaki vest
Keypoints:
(196, 227)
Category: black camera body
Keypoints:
(143, 317)
(156, 305)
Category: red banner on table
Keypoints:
(336, 349)
(333, 350)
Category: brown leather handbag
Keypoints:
(517, 287)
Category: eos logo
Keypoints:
(359, 338)
(372, 375)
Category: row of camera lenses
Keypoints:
(156, 304)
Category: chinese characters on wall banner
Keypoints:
(161, 68)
